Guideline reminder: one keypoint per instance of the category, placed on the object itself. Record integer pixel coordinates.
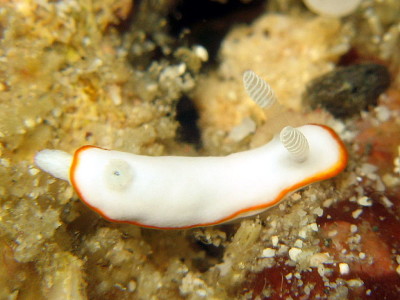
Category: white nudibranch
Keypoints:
(170, 192)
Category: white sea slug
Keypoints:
(170, 192)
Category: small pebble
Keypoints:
(298, 243)
(314, 227)
(364, 201)
(347, 91)
(294, 253)
(344, 268)
(268, 252)
(274, 240)
(356, 213)
(355, 282)
(332, 8)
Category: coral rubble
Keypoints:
(108, 73)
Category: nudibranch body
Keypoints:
(182, 192)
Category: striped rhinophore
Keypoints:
(258, 89)
(295, 142)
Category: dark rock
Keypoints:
(347, 91)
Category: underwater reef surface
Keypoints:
(132, 76)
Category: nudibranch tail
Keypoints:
(55, 162)
(258, 89)
(295, 142)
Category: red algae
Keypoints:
(379, 143)
(381, 151)
(373, 258)
(367, 244)
(282, 283)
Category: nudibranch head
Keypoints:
(183, 192)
